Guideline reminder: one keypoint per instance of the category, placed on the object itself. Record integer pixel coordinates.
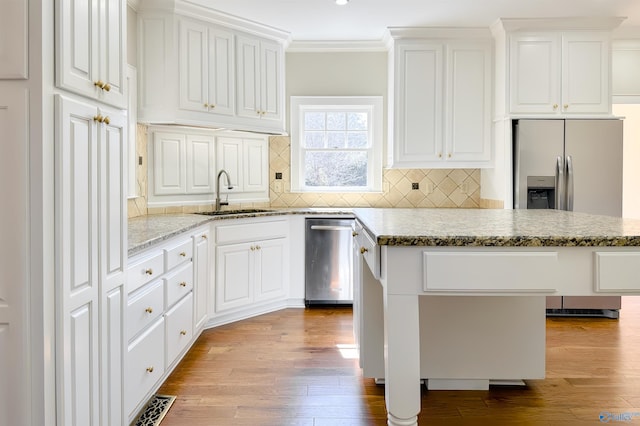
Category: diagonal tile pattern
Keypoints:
(456, 188)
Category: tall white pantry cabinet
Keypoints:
(90, 211)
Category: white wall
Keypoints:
(631, 159)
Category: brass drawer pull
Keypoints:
(183, 332)
(204, 236)
(363, 250)
(149, 271)
(183, 284)
(354, 234)
(149, 369)
(149, 310)
(183, 254)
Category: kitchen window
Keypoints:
(336, 144)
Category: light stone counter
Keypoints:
(503, 228)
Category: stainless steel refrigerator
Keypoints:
(571, 165)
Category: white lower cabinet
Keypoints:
(251, 267)
(163, 291)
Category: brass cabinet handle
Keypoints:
(566, 106)
(555, 107)
(183, 284)
(183, 332)
(149, 310)
(204, 236)
(354, 234)
(106, 120)
(183, 254)
(363, 250)
(258, 247)
(107, 87)
(149, 271)
(439, 155)
(449, 155)
(252, 248)
(99, 83)
(149, 369)
(98, 118)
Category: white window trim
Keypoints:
(298, 103)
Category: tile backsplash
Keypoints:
(436, 187)
(453, 188)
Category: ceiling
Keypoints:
(366, 20)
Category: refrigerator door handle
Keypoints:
(560, 184)
(569, 206)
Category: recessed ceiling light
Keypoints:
(341, 2)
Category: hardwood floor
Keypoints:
(295, 367)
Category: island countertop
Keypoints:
(500, 228)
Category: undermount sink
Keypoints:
(238, 211)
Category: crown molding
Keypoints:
(560, 24)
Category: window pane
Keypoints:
(357, 140)
(336, 121)
(336, 169)
(314, 120)
(335, 139)
(314, 139)
(357, 121)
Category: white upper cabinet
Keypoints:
(91, 49)
(206, 68)
(554, 67)
(200, 68)
(441, 102)
(14, 40)
(260, 79)
(246, 159)
(625, 70)
(560, 73)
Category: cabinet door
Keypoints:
(169, 175)
(468, 102)
(14, 40)
(255, 165)
(193, 66)
(585, 73)
(201, 278)
(77, 238)
(270, 271)
(248, 77)
(534, 77)
(179, 328)
(91, 46)
(200, 164)
(221, 92)
(234, 276)
(418, 115)
(113, 257)
(14, 292)
(229, 157)
(271, 81)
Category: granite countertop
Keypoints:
(146, 231)
(502, 228)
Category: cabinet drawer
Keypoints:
(144, 307)
(145, 365)
(144, 271)
(244, 232)
(178, 254)
(179, 328)
(179, 284)
(370, 251)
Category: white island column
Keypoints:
(401, 344)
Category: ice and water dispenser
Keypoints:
(541, 192)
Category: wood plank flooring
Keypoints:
(295, 367)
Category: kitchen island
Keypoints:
(414, 254)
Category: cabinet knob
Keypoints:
(183, 284)
(98, 118)
(555, 107)
(363, 250)
(106, 120)
(449, 155)
(149, 310)
(149, 369)
(258, 247)
(439, 155)
(149, 271)
(354, 234)
(566, 106)
(204, 236)
(99, 84)
(252, 248)
(206, 105)
(183, 332)
(183, 254)
(106, 87)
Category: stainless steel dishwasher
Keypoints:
(328, 261)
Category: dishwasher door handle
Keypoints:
(330, 228)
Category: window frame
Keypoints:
(373, 106)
